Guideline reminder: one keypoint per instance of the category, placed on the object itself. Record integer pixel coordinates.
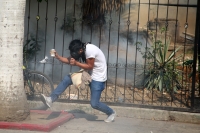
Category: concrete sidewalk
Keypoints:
(130, 112)
(128, 120)
(87, 123)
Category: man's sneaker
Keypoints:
(111, 117)
(46, 100)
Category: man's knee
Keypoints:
(94, 105)
(67, 77)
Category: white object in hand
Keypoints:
(52, 52)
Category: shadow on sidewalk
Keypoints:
(82, 114)
(41, 107)
(76, 112)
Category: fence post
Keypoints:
(195, 53)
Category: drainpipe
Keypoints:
(196, 46)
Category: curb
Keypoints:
(130, 112)
(62, 118)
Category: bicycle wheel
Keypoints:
(40, 82)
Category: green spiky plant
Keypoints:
(161, 72)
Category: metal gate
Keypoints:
(150, 46)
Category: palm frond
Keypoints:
(95, 10)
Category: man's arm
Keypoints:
(87, 66)
(62, 59)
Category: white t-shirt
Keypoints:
(99, 72)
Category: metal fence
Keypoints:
(131, 36)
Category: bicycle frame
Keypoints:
(26, 78)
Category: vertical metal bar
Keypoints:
(82, 22)
(82, 30)
(29, 6)
(64, 21)
(64, 24)
(155, 41)
(186, 26)
(117, 54)
(198, 52)
(110, 23)
(145, 60)
(45, 43)
(74, 20)
(55, 24)
(37, 18)
(135, 67)
(175, 41)
(197, 33)
(100, 28)
(91, 30)
(45, 36)
(36, 39)
(166, 28)
(128, 24)
(54, 42)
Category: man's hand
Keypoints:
(62, 59)
(87, 66)
(72, 62)
(56, 54)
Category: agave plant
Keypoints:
(161, 69)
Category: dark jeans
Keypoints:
(96, 89)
